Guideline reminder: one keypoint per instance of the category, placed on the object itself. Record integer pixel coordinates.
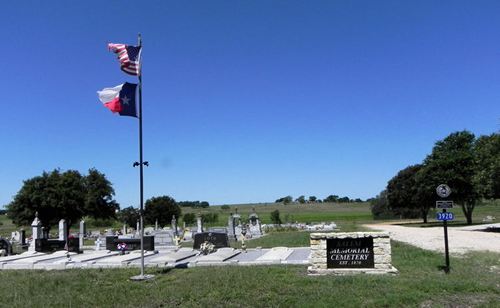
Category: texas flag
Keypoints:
(120, 99)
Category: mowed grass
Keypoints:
(483, 209)
(306, 213)
(473, 281)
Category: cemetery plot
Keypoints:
(174, 257)
(219, 256)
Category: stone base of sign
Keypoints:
(381, 254)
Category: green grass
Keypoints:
(307, 213)
(486, 208)
(471, 282)
(7, 227)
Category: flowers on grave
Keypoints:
(122, 247)
(207, 247)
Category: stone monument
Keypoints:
(63, 227)
(350, 253)
(199, 223)
(36, 226)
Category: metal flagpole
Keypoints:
(141, 172)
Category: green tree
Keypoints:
(451, 162)
(65, 195)
(301, 199)
(487, 159)
(285, 200)
(161, 209)
(189, 218)
(99, 201)
(402, 194)
(331, 198)
(275, 217)
(312, 199)
(129, 216)
(380, 206)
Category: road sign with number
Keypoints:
(445, 216)
(444, 204)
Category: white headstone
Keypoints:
(62, 230)
(36, 226)
(81, 234)
(199, 224)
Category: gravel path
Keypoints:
(461, 239)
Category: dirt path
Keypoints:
(461, 239)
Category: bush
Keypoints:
(225, 207)
(275, 217)
(210, 217)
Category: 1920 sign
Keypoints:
(350, 253)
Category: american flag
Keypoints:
(129, 57)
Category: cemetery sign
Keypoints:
(350, 253)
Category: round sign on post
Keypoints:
(443, 190)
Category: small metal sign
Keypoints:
(444, 204)
(443, 190)
(445, 216)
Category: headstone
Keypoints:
(124, 229)
(48, 245)
(163, 239)
(199, 224)
(350, 253)
(5, 246)
(218, 239)
(82, 232)
(138, 228)
(22, 232)
(36, 226)
(174, 225)
(255, 227)
(62, 230)
(230, 226)
(132, 243)
(98, 243)
(156, 224)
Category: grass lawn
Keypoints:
(473, 281)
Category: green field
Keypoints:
(419, 284)
(307, 213)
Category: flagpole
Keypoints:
(141, 173)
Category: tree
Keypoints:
(380, 206)
(129, 216)
(301, 199)
(161, 209)
(275, 217)
(402, 194)
(344, 200)
(189, 218)
(487, 160)
(451, 162)
(331, 198)
(63, 195)
(312, 199)
(99, 201)
(285, 200)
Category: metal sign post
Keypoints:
(444, 191)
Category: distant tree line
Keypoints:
(313, 199)
(194, 204)
(469, 165)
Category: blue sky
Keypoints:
(245, 101)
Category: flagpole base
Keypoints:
(142, 277)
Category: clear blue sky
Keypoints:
(245, 101)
